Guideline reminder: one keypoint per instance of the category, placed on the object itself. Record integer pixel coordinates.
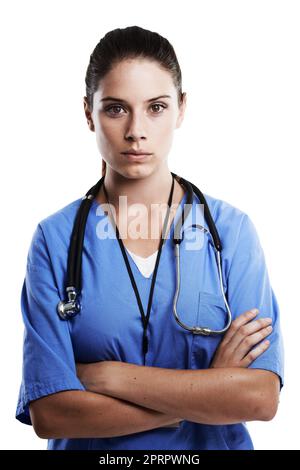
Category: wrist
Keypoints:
(93, 376)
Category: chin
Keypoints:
(137, 171)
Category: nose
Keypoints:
(135, 128)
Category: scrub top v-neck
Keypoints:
(109, 326)
(145, 265)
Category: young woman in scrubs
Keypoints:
(86, 383)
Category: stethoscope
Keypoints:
(70, 308)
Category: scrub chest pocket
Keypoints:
(211, 313)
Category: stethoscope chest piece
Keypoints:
(68, 309)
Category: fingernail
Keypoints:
(254, 310)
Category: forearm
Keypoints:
(210, 396)
(84, 414)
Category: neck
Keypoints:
(153, 189)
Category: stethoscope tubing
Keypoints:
(68, 309)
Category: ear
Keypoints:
(88, 114)
(181, 110)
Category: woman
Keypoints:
(113, 377)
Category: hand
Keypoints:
(242, 335)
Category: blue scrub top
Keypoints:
(109, 326)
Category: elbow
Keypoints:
(41, 433)
(44, 432)
(265, 395)
(53, 415)
(38, 422)
(268, 411)
(261, 410)
(39, 430)
(267, 405)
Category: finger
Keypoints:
(249, 341)
(238, 322)
(255, 353)
(247, 330)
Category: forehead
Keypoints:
(135, 80)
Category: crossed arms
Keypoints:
(123, 398)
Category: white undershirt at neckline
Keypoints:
(145, 265)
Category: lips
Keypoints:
(136, 156)
(136, 152)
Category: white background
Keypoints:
(239, 142)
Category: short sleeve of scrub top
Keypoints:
(48, 358)
(248, 286)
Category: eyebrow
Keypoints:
(111, 98)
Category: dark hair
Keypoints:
(131, 42)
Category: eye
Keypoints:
(159, 104)
(111, 109)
